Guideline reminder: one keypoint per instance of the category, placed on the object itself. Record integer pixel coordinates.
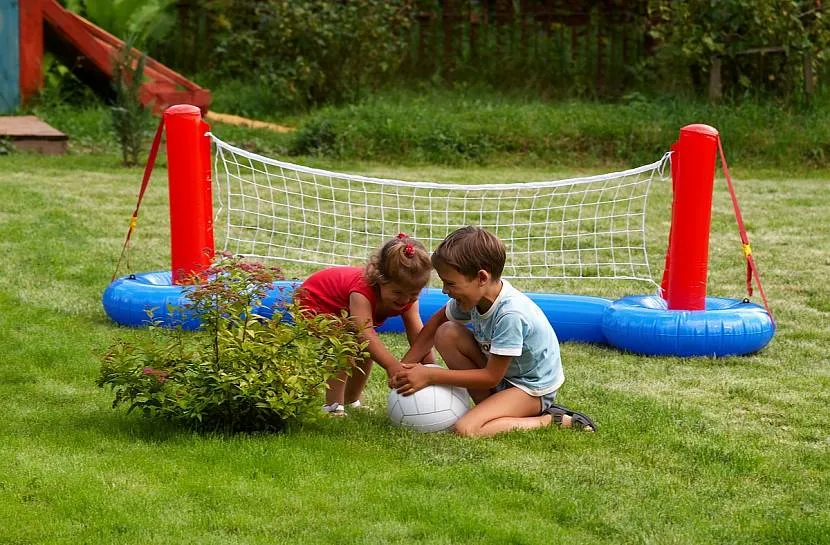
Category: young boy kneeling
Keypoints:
(510, 360)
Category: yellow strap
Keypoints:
(133, 221)
(747, 250)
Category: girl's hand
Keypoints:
(411, 378)
(391, 371)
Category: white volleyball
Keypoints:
(434, 408)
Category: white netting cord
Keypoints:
(591, 227)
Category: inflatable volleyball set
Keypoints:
(680, 321)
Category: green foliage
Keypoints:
(6, 146)
(129, 116)
(477, 128)
(61, 87)
(239, 372)
(482, 127)
(780, 32)
(145, 20)
(313, 51)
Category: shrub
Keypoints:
(129, 117)
(239, 372)
(311, 52)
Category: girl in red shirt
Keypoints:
(387, 286)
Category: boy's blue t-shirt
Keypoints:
(516, 326)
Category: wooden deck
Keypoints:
(28, 133)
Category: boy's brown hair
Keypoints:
(402, 260)
(469, 250)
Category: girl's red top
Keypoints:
(328, 291)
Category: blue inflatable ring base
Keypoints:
(151, 297)
(642, 324)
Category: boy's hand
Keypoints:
(411, 378)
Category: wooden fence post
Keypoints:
(715, 85)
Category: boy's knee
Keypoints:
(448, 334)
(467, 427)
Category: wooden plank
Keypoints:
(28, 126)
(46, 147)
(28, 133)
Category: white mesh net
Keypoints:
(591, 227)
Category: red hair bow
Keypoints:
(401, 235)
(409, 250)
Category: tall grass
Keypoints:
(459, 128)
(472, 126)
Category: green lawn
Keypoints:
(731, 451)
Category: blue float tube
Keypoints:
(139, 299)
(132, 300)
(727, 327)
(639, 324)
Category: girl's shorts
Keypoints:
(545, 400)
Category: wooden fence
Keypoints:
(588, 45)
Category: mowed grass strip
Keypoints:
(733, 450)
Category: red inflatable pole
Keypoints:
(191, 204)
(693, 176)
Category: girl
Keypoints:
(387, 286)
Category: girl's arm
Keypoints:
(360, 312)
(413, 326)
(426, 338)
(414, 377)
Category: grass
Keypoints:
(732, 450)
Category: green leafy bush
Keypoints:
(762, 43)
(240, 371)
(313, 51)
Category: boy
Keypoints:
(509, 362)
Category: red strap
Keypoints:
(751, 268)
(148, 170)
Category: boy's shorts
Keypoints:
(545, 400)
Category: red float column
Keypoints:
(687, 260)
(191, 205)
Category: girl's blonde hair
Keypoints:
(402, 260)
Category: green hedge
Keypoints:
(451, 128)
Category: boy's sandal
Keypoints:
(579, 421)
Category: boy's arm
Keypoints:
(426, 338)
(360, 312)
(413, 377)
(412, 325)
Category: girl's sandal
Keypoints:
(335, 409)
